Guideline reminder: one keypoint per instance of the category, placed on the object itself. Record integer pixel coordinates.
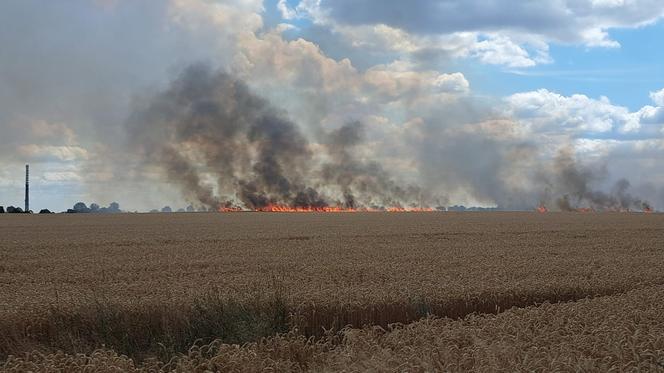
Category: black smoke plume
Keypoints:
(575, 185)
(226, 147)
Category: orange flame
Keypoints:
(230, 209)
(542, 209)
(286, 208)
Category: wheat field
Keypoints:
(327, 292)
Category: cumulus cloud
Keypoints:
(653, 115)
(286, 12)
(519, 24)
(544, 111)
(502, 51)
(658, 97)
(565, 21)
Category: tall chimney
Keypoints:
(27, 188)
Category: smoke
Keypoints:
(226, 147)
(574, 184)
(364, 180)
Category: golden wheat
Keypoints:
(612, 333)
(150, 285)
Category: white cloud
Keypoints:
(500, 50)
(550, 112)
(658, 97)
(397, 80)
(519, 24)
(287, 13)
(597, 37)
(493, 49)
(323, 91)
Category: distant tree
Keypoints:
(80, 208)
(191, 208)
(167, 209)
(14, 210)
(2, 210)
(45, 211)
(94, 207)
(114, 207)
(154, 211)
(180, 210)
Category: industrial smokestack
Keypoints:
(27, 188)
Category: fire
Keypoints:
(647, 210)
(287, 208)
(230, 209)
(542, 209)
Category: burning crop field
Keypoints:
(323, 186)
(326, 291)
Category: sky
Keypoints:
(470, 100)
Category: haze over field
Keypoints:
(249, 103)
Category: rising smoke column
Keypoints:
(364, 180)
(572, 184)
(226, 147)
(208, 124)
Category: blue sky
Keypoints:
(472, 101)
(626, 75)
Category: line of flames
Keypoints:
(286, 208)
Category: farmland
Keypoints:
(468, 290)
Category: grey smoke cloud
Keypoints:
(575, 187)
(209, 123)
(224, 146)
